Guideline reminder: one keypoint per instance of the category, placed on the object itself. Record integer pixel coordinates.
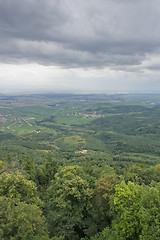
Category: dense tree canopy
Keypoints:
(19, 220)
(20, 213)
(69, 198)
(16, 186)
(77, 203)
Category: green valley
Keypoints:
(79, 166)
(123, 128)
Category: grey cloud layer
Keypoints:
(79, 33)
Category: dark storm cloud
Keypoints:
(31, 20)
(79, 33)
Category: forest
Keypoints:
(79, 166)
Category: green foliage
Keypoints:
(126, 203)
(137, 208)
(149, 213)
(20, 214)
(71, 189)
(19, 220)
(104, 188)
(28, 166)
(50, 169)
(143, 174)
(69, 200)
(46, 172)
(16, 186)
(2, 165)
(100, 215)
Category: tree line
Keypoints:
(50, 201)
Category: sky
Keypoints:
(80, 45)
